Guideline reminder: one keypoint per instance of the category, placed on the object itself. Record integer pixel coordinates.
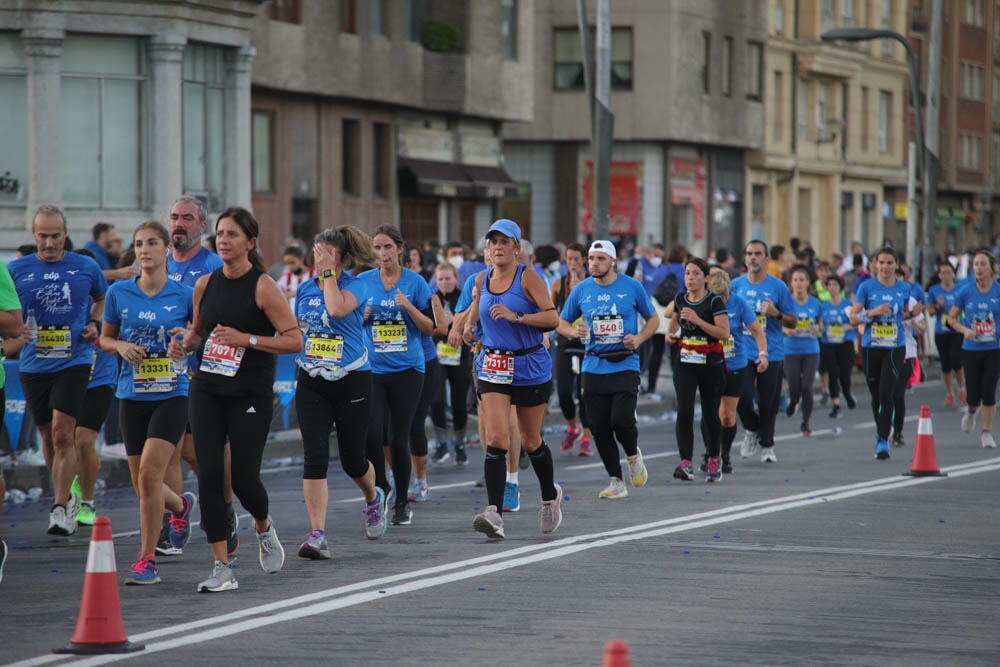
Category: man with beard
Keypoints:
(187, 262)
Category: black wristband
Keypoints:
(97, 323)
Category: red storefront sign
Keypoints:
(625, 205)
(687, 188)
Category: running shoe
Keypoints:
(511, 497)
(835, 412)
(86, 515)
(849, 399)
(221, 579)
(585, 447)
(377, 515)
(572, 439)
(637, 473)
(968, 420)
(489, 523)
(115, 451)
(73, 506)
(897, 440)
(804, 428)
(949, 400)
(76, 488)
(180, 526)
(233, 541)
(419, 492)
(272, 554)
(714, 472)
(3, 557)
(550, 514)
(144, 572)
(727, 466)
(615, 489)
(441, 454)
(684, 471)
(163, 545)
(60, 523)
(792, 408)
(750, 445)
(315, 547)
(881, 450)
(461, 458)
(987, 441)
(402, 516)
(767, 455)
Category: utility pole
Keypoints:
(911, 204)
(602, 121)
(931, 160)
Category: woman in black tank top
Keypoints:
(241, 320)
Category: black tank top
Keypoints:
(232, 303)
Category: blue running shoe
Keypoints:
(233, 541)
(377, 515)
(144, 572)
(882, 450)
(511, 497)
(180, 526)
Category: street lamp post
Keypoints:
(924, 158)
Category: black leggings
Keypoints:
(883, 366)
(418, 434)
(611, 401)
(982, 368)
(568, 387)
(708, 380)
(458, 378)
(657, 344)
(245, 422)
(899, 396)
(393, 406)
(800, 371)
(768, 387)
(839, 358)
(949, 347)
(322, 403)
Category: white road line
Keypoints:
(484, 566)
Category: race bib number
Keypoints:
(448, 355)
(608, 329)
(221, 359)
(835, 333)
(693, 356)
(803, 328)
(154, 374)
(884, 335)
(762, 320)
(54, 342)
(985, 330)
(729, 348)
(389, 336)
(325, 348)
(497, 368)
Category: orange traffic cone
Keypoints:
(924, 459)
(99, 627)
(616, 654)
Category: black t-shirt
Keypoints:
(709, 306)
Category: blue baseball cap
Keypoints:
(506, 227)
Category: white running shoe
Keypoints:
(767, 455)
(115, 451)
(637, 472)
(750, 445)
(272, 554)
(987, 441)
(968, 421)
(31, 457)
(616, 489)
(60, 522)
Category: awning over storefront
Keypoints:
(433, 179)
(491, 182)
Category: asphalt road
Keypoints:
(825, 557)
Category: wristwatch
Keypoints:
(519, 316)
(253, 341)
(327, 274)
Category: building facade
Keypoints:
(114, 109)
(687, 96)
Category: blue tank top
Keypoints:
(531, 368)
(146, 321)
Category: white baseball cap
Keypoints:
(607, 247)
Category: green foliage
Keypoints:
(441, 37)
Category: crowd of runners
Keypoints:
(186, 341)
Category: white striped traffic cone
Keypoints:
(924, 459)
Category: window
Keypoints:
(378, 15)
(569, 73)
(727, 65)
(349, 16)
(755, 64)
(801, 104)
(14, 111)
(820, 112)
(847, 13)
(261, 147)
(779, 17)
(204, 117)
(351, 156)
(826, 16)
(971, 85)
(414, 16)
(381, 158)
(973, 14)
(884, 114)
(508, 29)
(779, 105)
(289, 11)
(865, 124)
(886, 22)
(970, 150)
(102, 98)
(706, 61)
